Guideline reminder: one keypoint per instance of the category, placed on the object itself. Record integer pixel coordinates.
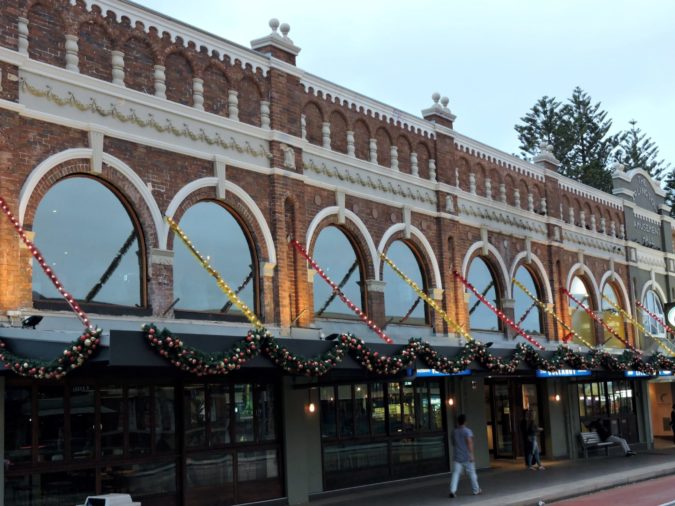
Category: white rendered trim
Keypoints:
(541, 272)
(613, 277)
(500, 261)
(589, 274)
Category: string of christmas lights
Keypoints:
(600, 321)
(640, 327)
(43, 264)
(221, 282)
(500, 314)
(341, 285)
(341, 295)
(654, 317)
(570, 331)
(526, 313)
(243, 284)
(432, 303)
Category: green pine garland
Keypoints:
(73, 356)
(261, 341)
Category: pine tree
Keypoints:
(579, 133)
(669, 187)
(544, 123)
(592, 147)
(638, 150)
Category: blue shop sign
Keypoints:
(427, 373)
(636, 374)
(562, 373)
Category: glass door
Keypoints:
(502, 421)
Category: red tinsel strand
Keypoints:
(341, 295)
(47, 270)
(497, 312)
(654, 317)
(600, 321)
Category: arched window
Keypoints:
(528, 315)
(582, 323)
(401, 303)
(482, 278)
(89, 238)
(335, 254)
(219, 238)
(653, 303)
(612, 317)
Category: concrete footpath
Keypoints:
(509, 483)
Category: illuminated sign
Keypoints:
(426, 373)
(636, 374)
(665, 373)
(562, 373)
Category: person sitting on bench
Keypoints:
(602, 428)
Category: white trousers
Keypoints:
(457, 468)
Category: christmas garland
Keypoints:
(260, 342)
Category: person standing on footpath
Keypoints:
(532, 429)
(463, 459)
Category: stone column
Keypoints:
(351, 148)
(160, 81)
(373, 150)
(233, 104)
(265, 114)
(509, 309)
(325, 134)
(118, 67)
(432, 169)
(394, 158)
(375, 301)
(72, 59)
(160, 286)
(303, 127)
(23, 36)
(198, 93)
(414, 167)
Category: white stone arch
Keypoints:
(349, 215)
(48, 164)
(540, 270)
(653, 285)
(610, 276)
(589, 275)
(500, 262)
(207, 182)
(428, 250)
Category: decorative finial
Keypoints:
(617, 167)
(285, 28)
(444, 102)
(436, 97)
(274, 24)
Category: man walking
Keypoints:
(462, 441)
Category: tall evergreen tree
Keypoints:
(669, 187)
(638, 150)
(579, 133)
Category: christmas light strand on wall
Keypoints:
(654, 317)
(432, 303)
(570, 331)
(340, 294)
(599, 320)
(640, 327)
(500, 314)
(219, 280)
(43, 264)
(77, 352)
(259, 342)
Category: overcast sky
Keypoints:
(492, 58)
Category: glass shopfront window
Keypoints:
(133, 425)
(365, 448)
(609, 400)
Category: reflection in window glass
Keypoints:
(612, 317)
(653, 303)
(165, 419)
(527, 314)
(346, 410)
(139, 480)
(139, 408)
(257, 465)
(18, 433)
(51, 444)
(195, 415)
(394, 397)
(46, 489)
(220, 413)
(112, 421)
(408, 407)
(436, 406)
(63, 217)
(220, 239)
(334, 254)
(243, 412)
(378, 415)
(582, 323)
(209, 478)
(480, 276)
(327, 410)
(361, 409)
(401, 303)
(82, 421)
(266, 406)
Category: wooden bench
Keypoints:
(592, 441)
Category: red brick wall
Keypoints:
(216, 89)
(94, 46)
(178, 79)
(139, 60)
(46, 35)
